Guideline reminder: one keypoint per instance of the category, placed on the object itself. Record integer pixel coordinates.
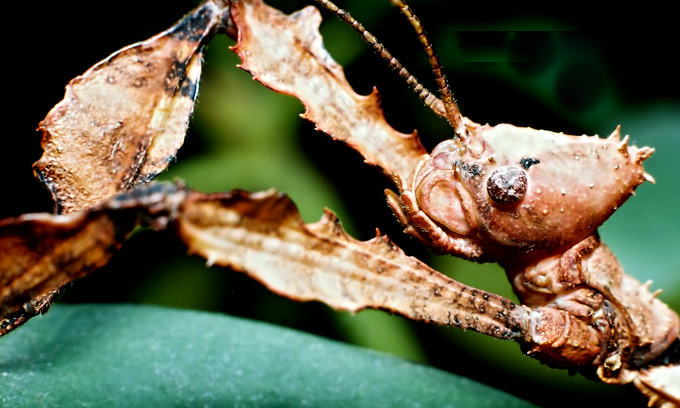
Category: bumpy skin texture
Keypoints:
(574, 183)
(532, 200)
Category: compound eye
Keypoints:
(507, 185)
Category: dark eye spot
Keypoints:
(528, 162)
(507, 185)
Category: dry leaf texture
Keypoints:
(661, 384)
(43, 252)
(263, 235)
(260, 234)
(123, 120)
(286, 54)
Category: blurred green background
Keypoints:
(563, 70)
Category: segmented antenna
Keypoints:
(452, 111)
(446, 108)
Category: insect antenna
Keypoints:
(452, 112)
(446, 108)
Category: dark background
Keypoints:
(573, 70)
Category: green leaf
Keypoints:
(127, 355)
